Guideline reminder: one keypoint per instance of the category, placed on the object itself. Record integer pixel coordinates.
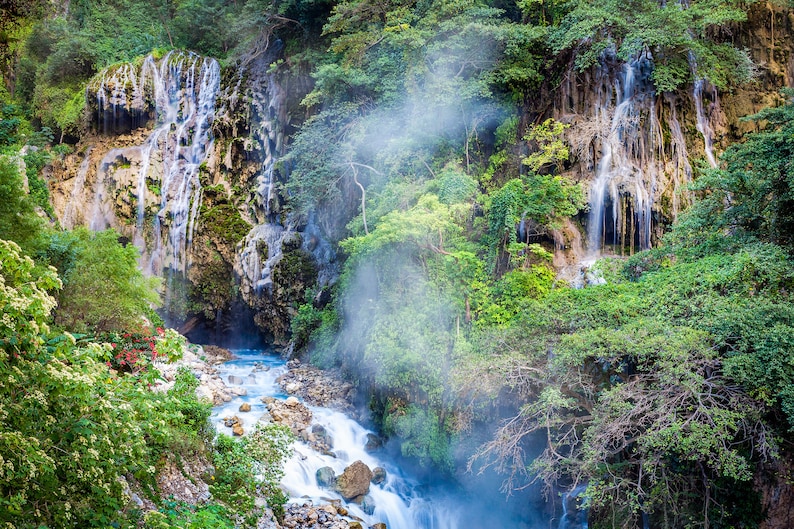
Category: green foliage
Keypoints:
(455, 187)
(18, 219)
(254, 463)
(184, 516)
(64, 438)
(752, 194)
(551, 148)
(544, 199)
(422, 435)
(103, 288)
(224, 221)
(676, 36)
(10, 120)
(35, 160)
(72, 429)
(669, 377)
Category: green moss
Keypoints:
(153, 187)
(296, 268)
(225, 222)
(214, 289)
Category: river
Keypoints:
(402, 501)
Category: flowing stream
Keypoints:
(401, 501)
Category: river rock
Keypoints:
(354, 481)
(322, 436)
(373, 442)
(245, 406)
(234, 379)
(237, 430)
(378, 475)
(326, 477)
(307, 516)
(258, 366)
(231, 421)
(290, 413)
(317, 387)
(379, 525)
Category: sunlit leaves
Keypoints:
(675, 34)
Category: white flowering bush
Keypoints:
(70, 426)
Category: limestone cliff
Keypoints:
(179, 157)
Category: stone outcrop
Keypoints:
(317, 387)
(328, 516)
(354, 482)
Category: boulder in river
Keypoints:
(234, 379)
(373, 442)
(354, 481)
(378, 475)
(326, 477)
(290, 413)
(231, 421)
(245, 406)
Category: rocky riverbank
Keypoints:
(317, 387)
(187, 481)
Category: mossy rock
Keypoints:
(214, 288)
(296, 268)
(225, 222)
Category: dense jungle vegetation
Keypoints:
(665, 389)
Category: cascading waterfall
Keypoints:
(259, 253)
(703, 125)
(181, 90)
(572, 516)
(270, 136)
(401, 502)
(68, 219)
(625, 177)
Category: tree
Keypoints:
(103, 287)
(752, 194)
(18, 219)
(684, 39)
(644, 414)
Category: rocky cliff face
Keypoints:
(637, 149)
(181, 160)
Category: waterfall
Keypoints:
(572, 516)
(703, 125)
(181, 90)
(401, 501)
(267, 105)
(625, 180)
(259, 253)
(68, 220)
